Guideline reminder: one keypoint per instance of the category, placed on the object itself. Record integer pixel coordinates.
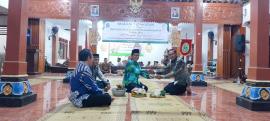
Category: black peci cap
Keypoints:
(135, 51)
(96, 55)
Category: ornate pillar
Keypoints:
(175, 38)
(73, 46)
(94, 37)
(197, 76)
(255, 95)
(16, 90)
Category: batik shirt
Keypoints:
(132, 72)
(96, 72)
(105, 67)
(82, 85)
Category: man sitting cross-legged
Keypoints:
(177, 69)
(102, 83)
(84, 91)
(132, 72)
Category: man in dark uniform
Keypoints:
(178, 70)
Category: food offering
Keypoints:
(158, 94)
(119, 91)
(138, 92)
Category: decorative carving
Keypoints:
(219, 13)
(175, 37)
(248, 92)
(7, 89)
(15, 88)
(25, 88)
(135, 5)
(187, 14)
(148, 48)
(222, 13)
(49, 9)
(264, 94)
(148, 12)
(94, 37)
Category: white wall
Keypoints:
(63, 24)
(187, 31)
(48, 43)
(3, 40)
(247, 50)
(84, 26)
(207, 28)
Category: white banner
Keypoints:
(135, 32)
(246, 14)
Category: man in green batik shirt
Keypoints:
(132, 72)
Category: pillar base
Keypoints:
(197, 67)
(255, 96)
(19, 101)
(253, 105)
(15, 92)
(197, 79)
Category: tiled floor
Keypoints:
(216, 103)
(50, 95)
(220, 105)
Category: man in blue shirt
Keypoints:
(84, 91)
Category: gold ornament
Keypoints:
(7, 89)
(103, 47)
(135, 5)
(25, 88)
(248, 92)
(94, 37)
(148, 48)
(264, 94)
(175, 37)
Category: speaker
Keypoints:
(239, 43)
(211, 35)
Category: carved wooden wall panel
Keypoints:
(49, 9)
(110, 10)
(149, 12)
(222, 13)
